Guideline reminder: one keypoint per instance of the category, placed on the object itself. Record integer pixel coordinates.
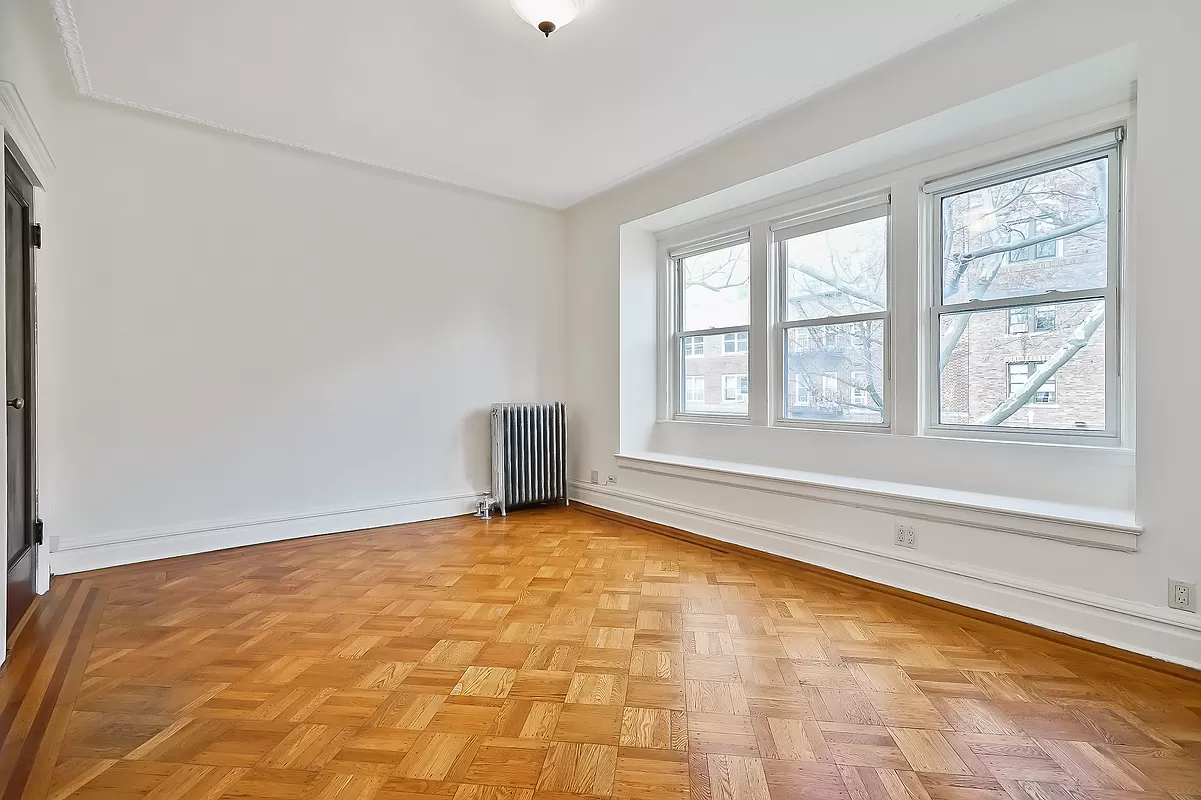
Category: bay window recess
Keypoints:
(788, 320)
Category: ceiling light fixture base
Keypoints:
(548, 16)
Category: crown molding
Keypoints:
(18, 124)
(68, 31)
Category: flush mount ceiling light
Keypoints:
(548, 15)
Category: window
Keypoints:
(1018, 319)
(833, 272)
(1035, 229)
(830, 387)
(1012, 333)
(995, 275)
(1044, 319)
(1019, 375)
(712, 322)
(734, 388)
(859, 393)
(801, 396)
(735, 342)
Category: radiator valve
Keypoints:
(484, 508)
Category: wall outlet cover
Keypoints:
(1184, 596)
(596, 476)
(905, 535)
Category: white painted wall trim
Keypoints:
(1137, 627)
(1091, 527)
(149, 545)
(17, 124)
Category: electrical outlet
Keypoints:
(596, 476)
(1184, 596)
(905, 535)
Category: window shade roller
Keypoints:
(1080, 149)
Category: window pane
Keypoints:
(836, 373)
(736, 342)
(717, 288)
(1052, 380)
(714, 382)
(838, 272)
(995, 239)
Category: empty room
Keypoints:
(581, 399)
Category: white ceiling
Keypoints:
(465, 92)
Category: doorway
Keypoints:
(19, 410)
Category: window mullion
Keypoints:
(759, 370)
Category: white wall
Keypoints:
(1105, 595)
(234, 332)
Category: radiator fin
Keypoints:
(529, 454)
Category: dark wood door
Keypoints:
(18, 343)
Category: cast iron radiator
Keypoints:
(529, 454)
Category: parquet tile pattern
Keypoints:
(556, 655)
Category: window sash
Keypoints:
(679, 387)
(823, 219)
(885, 388)
(1103, 146)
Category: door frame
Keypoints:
(20, 136)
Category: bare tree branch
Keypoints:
(830, 279)
(959, 324)
(1007, 247)
(1079, 338)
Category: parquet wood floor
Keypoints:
(555, 655)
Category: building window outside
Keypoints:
(1019, 319)
(734, 388)
(1019, 374)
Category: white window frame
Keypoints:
(1104, 145)
(676, 300)
(824, 218)
(1034, 318)
(1025, 321)
(689, 382)
(687, 342)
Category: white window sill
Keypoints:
(1081, 525)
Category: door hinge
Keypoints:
(39, 531)
(35, 235)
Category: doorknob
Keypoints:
(17, 403)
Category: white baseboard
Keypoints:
(130, 548)
(1138, 627)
